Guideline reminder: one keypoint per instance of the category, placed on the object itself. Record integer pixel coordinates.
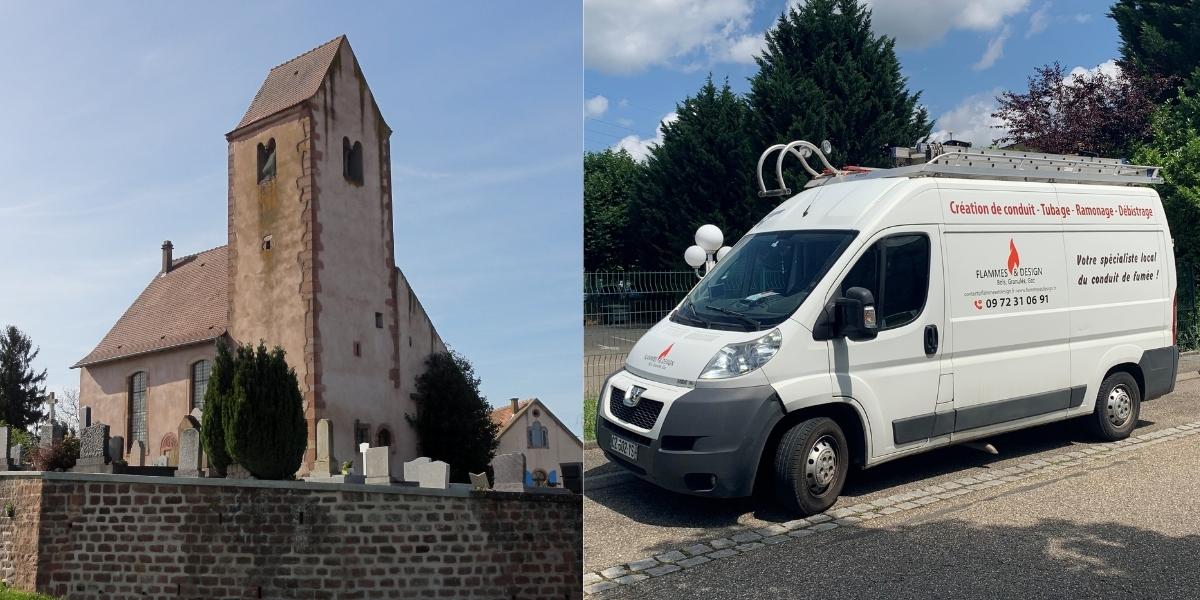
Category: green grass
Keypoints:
(589, 421)
(7, 593)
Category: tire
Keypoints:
(811, 463)
(1118, 404)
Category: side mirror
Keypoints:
(856, 318)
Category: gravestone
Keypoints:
(17, 454)
(325, 465)
(508, 471)
(187, 422)
(236, 471)
(376, 466)
(137, 454)
(160, 461)
(116, 447)
(4, 464)
(95, 448)
(85, 419)
(50, 434)
(412, 468)
(572, 476)
(189, 454)
(479, 482)
(435, 475)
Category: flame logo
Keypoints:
(666, 352)
(1014, 259)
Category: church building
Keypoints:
(309, 266)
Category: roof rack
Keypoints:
(943, 160)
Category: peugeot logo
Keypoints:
(633, 397)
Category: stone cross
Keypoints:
(51, 401)
(509, 472)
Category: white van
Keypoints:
(883, 313)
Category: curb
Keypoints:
(750, 539)
(607, 480)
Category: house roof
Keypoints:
(292, 82)
(187, 305)
(504, 416)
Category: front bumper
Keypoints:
(708, 443)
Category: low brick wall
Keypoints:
(117, 536)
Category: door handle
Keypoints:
(931, 340)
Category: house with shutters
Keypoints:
(528, 427)
(309, 265)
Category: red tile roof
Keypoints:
(188, 305)
(292, 82)
(501, 416)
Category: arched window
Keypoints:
(352, 161)
(383, 437)
(200, 372)
(266, 161)
(537, 435)
(137, 408)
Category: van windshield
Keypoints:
(763, 280)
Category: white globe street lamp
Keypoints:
(707, 251)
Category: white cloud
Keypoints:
(595, 107)
(972, 121)
(993, 52)
(629, 36)
(639, 147)
(1108, 67)
(922, 23)
(1039, 21)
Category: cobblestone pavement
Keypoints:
(665, 544)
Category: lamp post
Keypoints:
(707, 251)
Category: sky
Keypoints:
(642, 57)
(113, 120)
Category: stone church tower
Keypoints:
(311, 268)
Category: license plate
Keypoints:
(625, 448)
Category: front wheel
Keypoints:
(811, 463)
(1118, 405)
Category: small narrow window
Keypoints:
(357, 349)
(352, 161)
(383, 438)
(378, 320)
(266, 245)
(266, 161)
(362, 433)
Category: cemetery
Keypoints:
(118, 524)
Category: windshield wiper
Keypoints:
(734, 313)
(696, 316)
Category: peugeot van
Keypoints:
(887, 312)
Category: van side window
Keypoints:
(896, 271)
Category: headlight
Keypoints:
(739, 359)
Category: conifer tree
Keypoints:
(825, 76)
(212, 431)
(21, 388)
(453, 421)
(263, 416)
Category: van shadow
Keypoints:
(956, 558)
(648, 504)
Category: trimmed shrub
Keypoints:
(59, 456)
(212, 431)
(263, 416)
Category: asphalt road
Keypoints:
(1101, 533)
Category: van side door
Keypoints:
(895, 376)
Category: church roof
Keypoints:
(292, 82)
(187, 305)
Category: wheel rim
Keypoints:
(1120, 406)
(820, 467)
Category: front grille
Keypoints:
(643, 415)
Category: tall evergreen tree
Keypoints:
(1175, 146)
(21, 388)
(1158, 39)
(702, 172)
(263, 416)
(453, 421)
(212, 431)
(825, 76)
(608, 185)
